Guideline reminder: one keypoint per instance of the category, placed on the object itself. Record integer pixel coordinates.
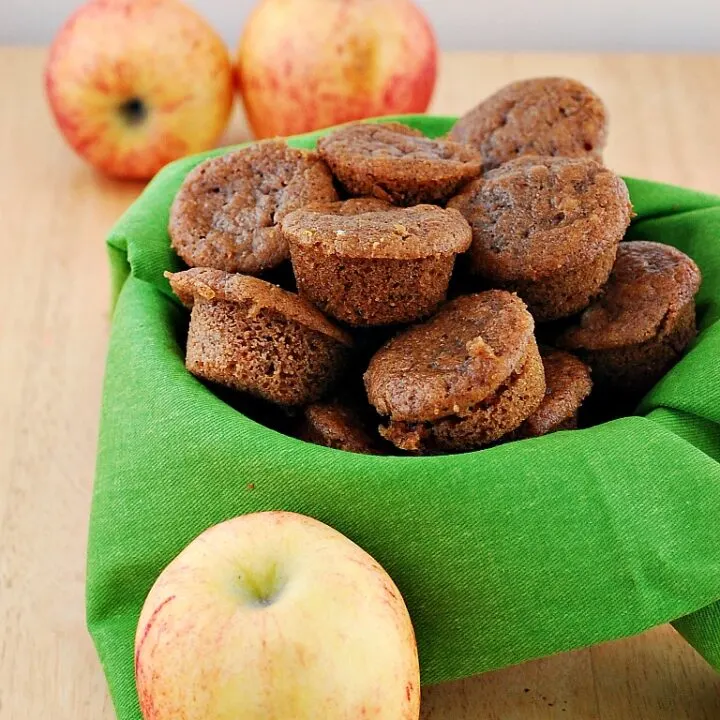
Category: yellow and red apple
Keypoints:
(275, 615)
(308, 64)
(134, 84)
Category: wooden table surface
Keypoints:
(54, 214)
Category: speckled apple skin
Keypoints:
(275, 616)
(309, 64)
(161, 51)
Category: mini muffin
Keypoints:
(567, 384)
(466, 377)
(227, 212)
(394, 162)
(542, 116)
(643, 321)
(338, 426)
(368, 263)
(546, 228)
(255, 337)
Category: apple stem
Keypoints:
(133, 111)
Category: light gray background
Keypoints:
(619, 25)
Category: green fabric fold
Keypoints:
(503, 555)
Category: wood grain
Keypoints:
(54, 213)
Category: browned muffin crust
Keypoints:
(453, 361)
(370, 229)
(467, 376)
(338, 426)
(227, 212)
(394, 162)
(254, 337)
(368, 263)
(634, 369)
(484, 423)
(649, 285)
(643, 320)
(568, 383)
(541, 116)
(547, 228)
(207, 284)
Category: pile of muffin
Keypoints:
(423, 272)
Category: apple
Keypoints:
(309, 64)
(275, 616)
(134, 84)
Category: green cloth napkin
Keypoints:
(511, 553)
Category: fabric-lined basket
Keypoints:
(502, 555)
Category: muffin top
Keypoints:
(541, 116)
(567, 384)
(227, 211)
(534, 216)
(396, 152)
(199, 285)
(370, 228)
(648, 286)
(337, 426)
(455, 360)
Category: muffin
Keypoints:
(546, 228)
(338, 426)
(468, 376)
(542, 116)
(227, 212)
(367, 263)
(642, 322)
(567, 384)
(397, 163)
(255, 337)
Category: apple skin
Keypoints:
(134, 84)
(275, 616)
(309, 64)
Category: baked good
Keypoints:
(541, 116)
(394, 162)
(463, 379)
(255, 337)
(368, 263)
(639, 326)
(546, 228)
(336, 425)
(567, 384)
(487, 264)
(227, 212)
